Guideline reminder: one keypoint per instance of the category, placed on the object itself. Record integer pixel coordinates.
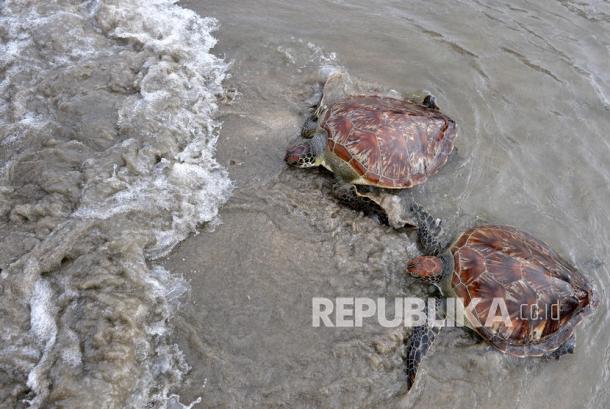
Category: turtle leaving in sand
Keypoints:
(544, 296)
(373, 140)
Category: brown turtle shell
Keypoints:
(389, 142)
(501, 261)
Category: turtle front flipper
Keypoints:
(337, 86)
(429, 231)
(310, 126)
(418, 345)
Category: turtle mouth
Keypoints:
(291, 159)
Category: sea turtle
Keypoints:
(373, 140)
(544, 296)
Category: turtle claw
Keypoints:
(319, 109)
(438, 222)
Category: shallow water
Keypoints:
(529, 87)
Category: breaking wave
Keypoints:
(107, 146)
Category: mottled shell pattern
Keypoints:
(501, 261)
(389, 142)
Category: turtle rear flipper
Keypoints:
(348, 195)
(390, 208)
(565, 348)
(430, 102)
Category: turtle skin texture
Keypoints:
(545, 296)
(389, 142)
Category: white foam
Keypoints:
(191, 185)
(44, 328)
(175, 103)
(42, 316)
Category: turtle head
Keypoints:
(307, 154)
(300, 155)
(430, 268)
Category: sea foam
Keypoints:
(108, 141)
